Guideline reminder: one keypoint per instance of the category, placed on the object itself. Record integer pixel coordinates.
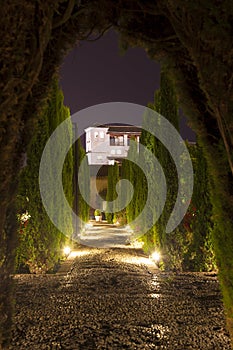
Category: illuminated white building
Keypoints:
(109, 143)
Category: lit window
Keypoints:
(116, 140)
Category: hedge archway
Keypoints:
(193, 39)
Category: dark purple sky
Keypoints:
(95, 72)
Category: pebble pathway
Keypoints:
(112, 299)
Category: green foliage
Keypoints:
(83, 183)
(199, 254)
(113, 178)
(97, 212)
(190, 245)
(123, 216)
(132, 173)
(40, 241)
(166, 104)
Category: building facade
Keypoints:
(108, 144)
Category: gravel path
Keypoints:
(111, 299)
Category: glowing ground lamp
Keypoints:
(156, 256)
(67, 251)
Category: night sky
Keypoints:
(95, 72)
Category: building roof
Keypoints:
(124, 129)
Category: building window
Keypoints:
(96, 134)
(117, 140)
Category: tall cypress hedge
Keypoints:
(40, 242)
(131, 172)
(189, 246)
(113, 178)
(165, 103)
(199, 255)
(83, 182)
